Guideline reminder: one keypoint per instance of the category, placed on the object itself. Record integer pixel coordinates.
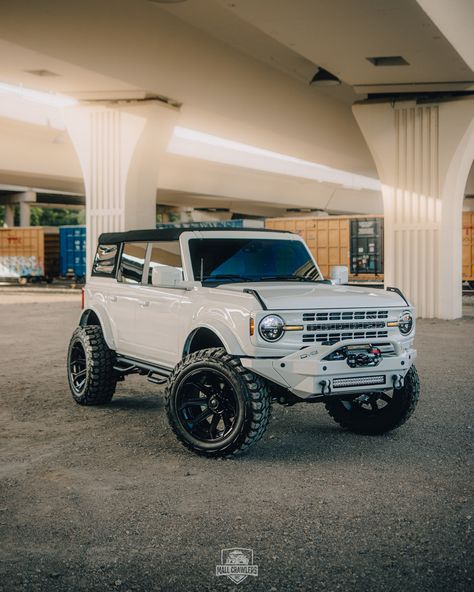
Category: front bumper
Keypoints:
(306, 372)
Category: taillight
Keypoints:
(82, 298)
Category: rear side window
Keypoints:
(164, 253)
(132, 263)
(105, 260)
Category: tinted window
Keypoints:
(251, 259)
(164, 253)
(132, 263)
(105, 260)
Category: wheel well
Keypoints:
(89, 318)
(201, 338)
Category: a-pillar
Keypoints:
(423, 154)
(119, 150)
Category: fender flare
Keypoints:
(103, 321)
(227, 337)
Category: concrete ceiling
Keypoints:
(340, 35)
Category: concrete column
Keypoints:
(119, 150)
(25, 214)
(9, 215)
(423, 155)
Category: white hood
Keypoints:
(292, 296)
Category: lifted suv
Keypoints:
(232, 320)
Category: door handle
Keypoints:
(144, 303)
(113, 298)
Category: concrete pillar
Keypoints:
(10, 215)
(25, 213)
(423, 154)
(119, 150)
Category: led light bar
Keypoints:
(358, 381)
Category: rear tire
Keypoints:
(377, 413)
(90, 367)
(215, 406)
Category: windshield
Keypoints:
(251, 259)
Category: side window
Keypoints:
(105, 260)
(132, 263)
(164, 253)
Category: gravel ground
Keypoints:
(106, 498)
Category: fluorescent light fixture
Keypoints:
(196, 144)
(37, 96)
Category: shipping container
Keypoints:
(29, 253)
(72, 240)
(353, 241)
(366, 247)
(357, 243)
(241, 223)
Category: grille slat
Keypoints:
(346, 315)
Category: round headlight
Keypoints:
(271, 327)
(405, 322)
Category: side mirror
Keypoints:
(339, 274)
(166, 276)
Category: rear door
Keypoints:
(123, 300)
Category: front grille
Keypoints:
(358, 381)
(329, 327)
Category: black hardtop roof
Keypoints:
(169, 234)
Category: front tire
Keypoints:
(215, 406)
(378, 412)
(90, 367)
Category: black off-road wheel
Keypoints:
(215, 406)
(90, 367)
(378, 412)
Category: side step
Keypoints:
(155, 374)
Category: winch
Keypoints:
(357, 355)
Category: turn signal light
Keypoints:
(252, 326)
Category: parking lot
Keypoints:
(105, 498)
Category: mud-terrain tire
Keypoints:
(215, 406)
(389, 412)
(90, 367)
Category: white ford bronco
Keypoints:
(233, 320)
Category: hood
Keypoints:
(291, 296)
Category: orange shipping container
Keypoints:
(31, 251)
(328, 238)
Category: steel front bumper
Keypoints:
(307, 372)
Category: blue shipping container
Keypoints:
(214, 224)
(72, 243)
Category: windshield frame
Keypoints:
(210, 235)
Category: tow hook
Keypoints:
(398, 381)
(325, 387)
